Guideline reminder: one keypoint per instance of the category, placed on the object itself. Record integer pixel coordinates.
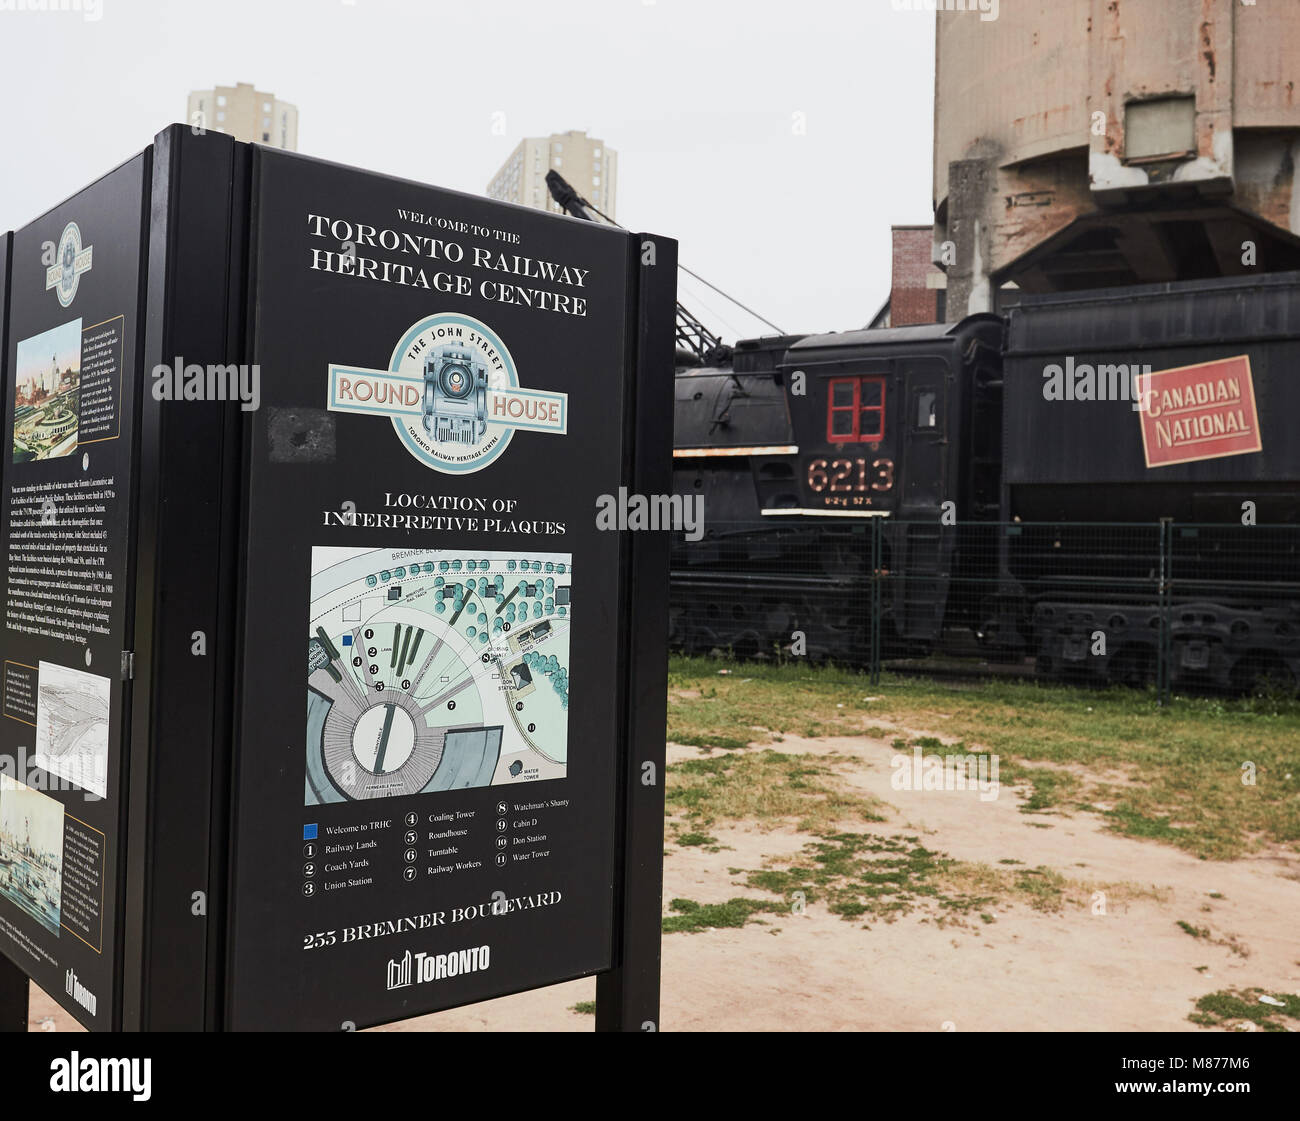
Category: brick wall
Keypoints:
(910, 301)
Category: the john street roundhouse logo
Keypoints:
(65, 274)
(452, 392)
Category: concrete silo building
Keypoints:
(1092, 143)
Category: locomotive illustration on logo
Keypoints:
(455, 396)
(69, 276)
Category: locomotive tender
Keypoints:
(944, 465)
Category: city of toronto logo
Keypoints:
(65, 274)
(419, 969)
(452, 393)
(399, 972)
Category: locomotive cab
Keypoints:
(889, 421)
(800, 448)
(902, 423)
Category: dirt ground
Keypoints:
(1130, 969)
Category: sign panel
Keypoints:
(65, 516)
(427, 746)
(1206, 411)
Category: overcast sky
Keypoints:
(698, 97)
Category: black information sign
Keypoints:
(333, 596)
(66, 508)
(428, 745)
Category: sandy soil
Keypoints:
(1131, 969)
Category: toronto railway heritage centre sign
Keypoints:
(326, 700)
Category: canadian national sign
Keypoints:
(1199, 412)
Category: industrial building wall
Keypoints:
(1092, 143)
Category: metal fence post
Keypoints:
(1165, 651)
(876, 598)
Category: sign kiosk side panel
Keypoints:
(445, 382)
(627, 997)
(184, 649)
(14, 986)
(66, 511)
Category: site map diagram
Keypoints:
(432, 669)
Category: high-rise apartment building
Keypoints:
(246, 114)
(588, 165)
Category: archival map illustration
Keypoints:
(72, 716)
(433, 670)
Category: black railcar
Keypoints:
(803, 441)
(1026, 515)
(1230, 559)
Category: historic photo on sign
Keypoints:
(46, 392)
(31, 851)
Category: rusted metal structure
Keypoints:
(1093, 143)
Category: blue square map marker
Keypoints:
(309, 832)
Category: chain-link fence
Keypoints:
(1165, 604)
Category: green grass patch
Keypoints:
(693, 839)
(1044, 888)
(861, 875)
(1129, 821)
(584, 1008)
(1049, 788)
(1235, 1005)
(1182, 763)
(765, 787)
(867, 876)
(692, 917)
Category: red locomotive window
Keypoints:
(855, 410)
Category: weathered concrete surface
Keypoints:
(1033, 178)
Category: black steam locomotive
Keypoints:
(1104, 482)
